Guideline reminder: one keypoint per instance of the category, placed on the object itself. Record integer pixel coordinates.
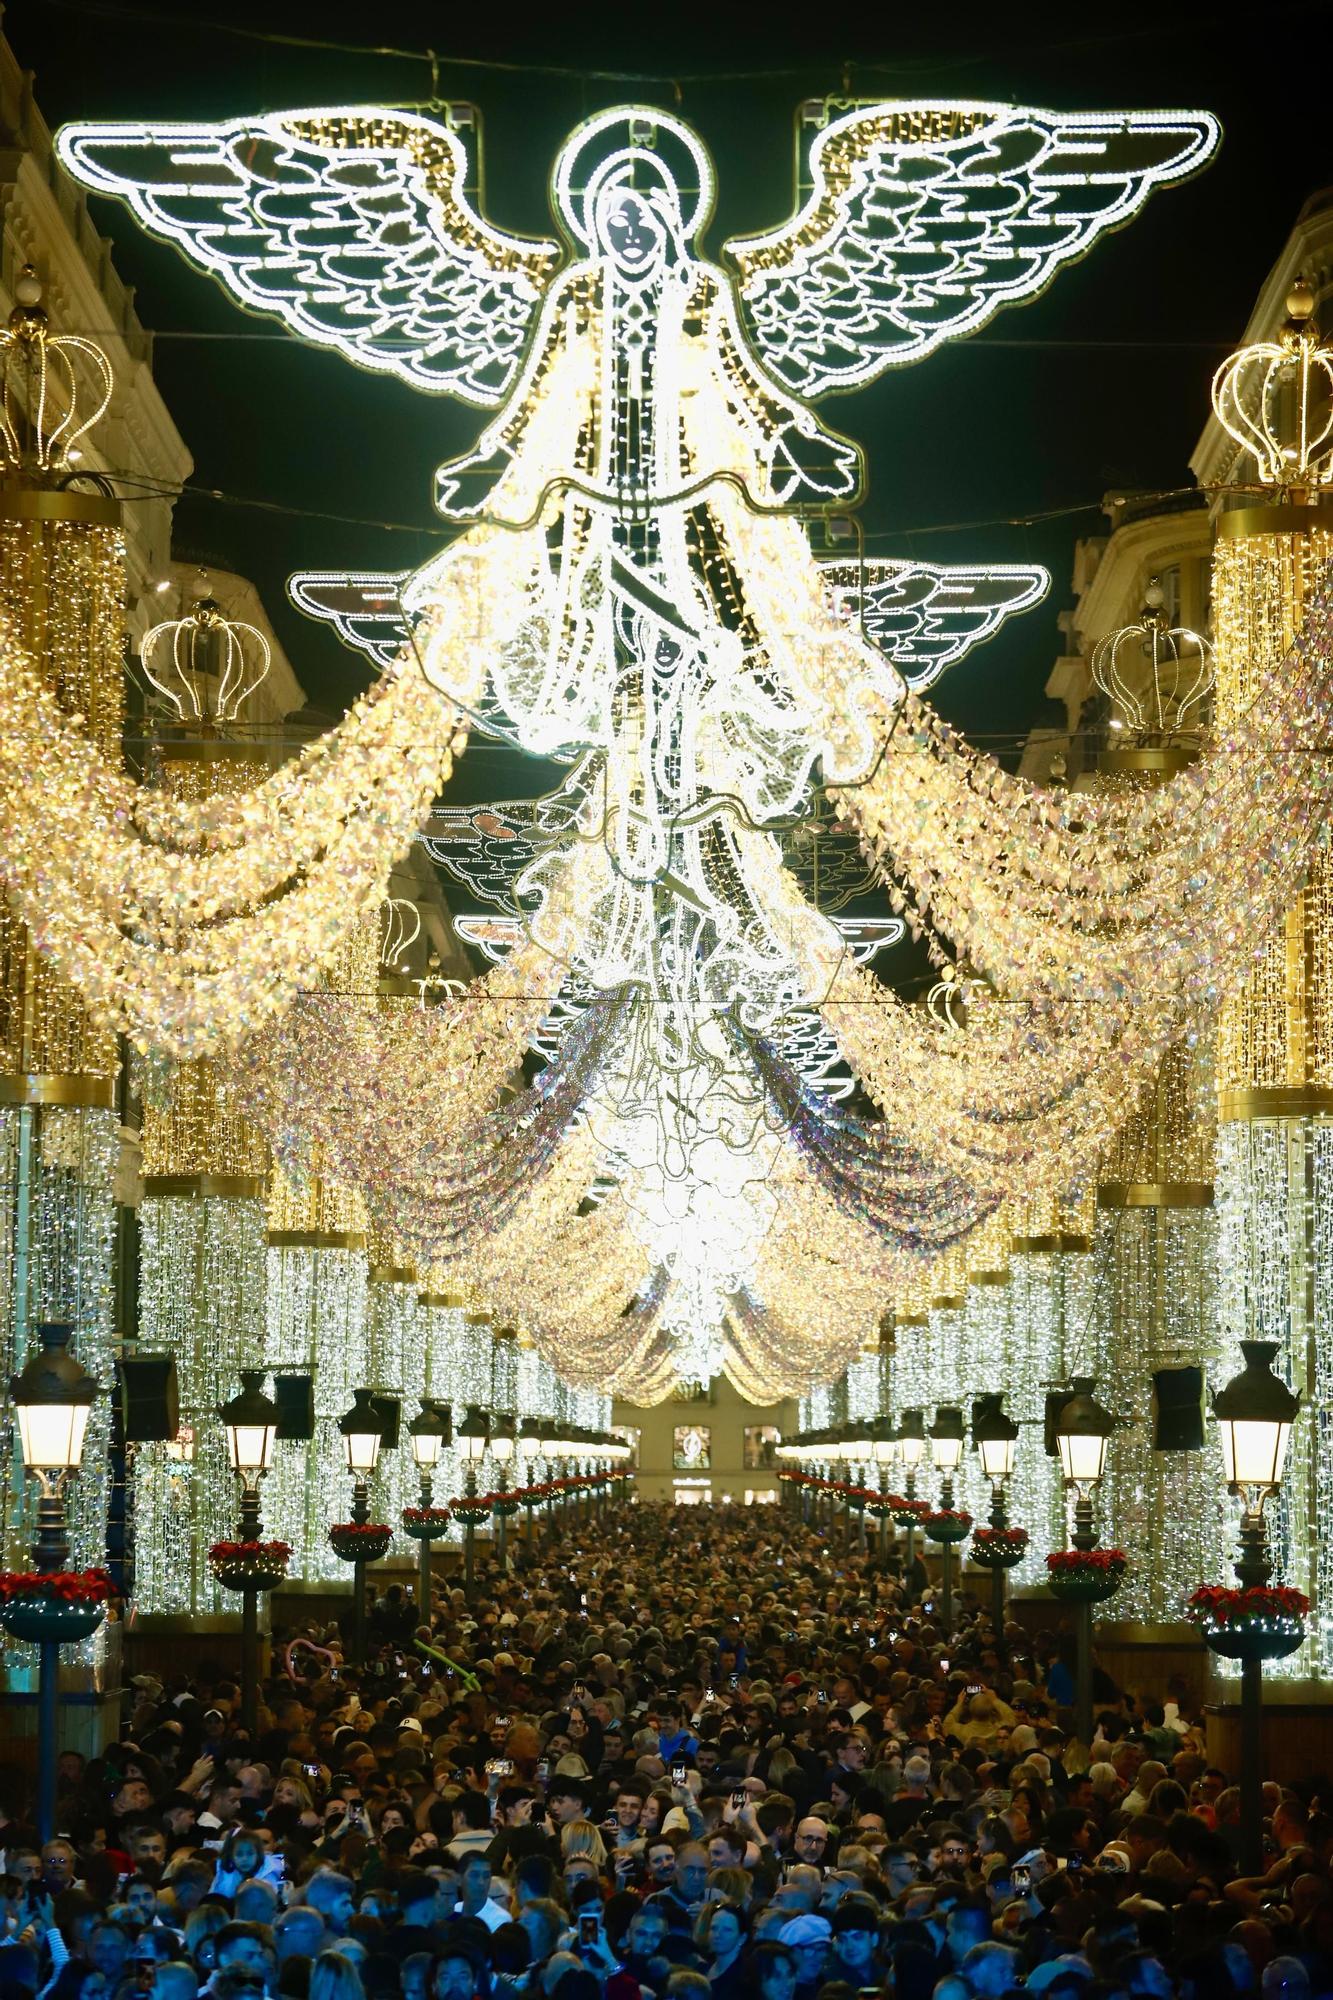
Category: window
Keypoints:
(694, 1496)
(761, 1442)
(692, 1448)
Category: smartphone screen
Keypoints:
(587, 1930)
(678, 1774)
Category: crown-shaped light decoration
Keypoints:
(206, 664)
(400, 929)
(53, 388)
(1157, 674)
(955, 996)
(1276, 399)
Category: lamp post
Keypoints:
(361, 1429)
(1255, 1413)
(1082, 1432)
(53, 1396)
(883, 1444)
(503, 1445)
(946, 1449)
(860, 1452)
(473, 1436)
(529, 1451)
(996, 1439)
(911, 1450)
(250, 1420)
(429, 1433)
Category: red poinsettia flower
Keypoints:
(1066, 1562)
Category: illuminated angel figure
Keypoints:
(652, 419)
(633, 519)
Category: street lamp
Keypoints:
(429, 1433)
(250, 1421)
(946, 1449)
(362, 1431)
(996, 1438)
(53, 1396)
(529, 1451)
(883, 1444)
(1255, 1413)
(860, 1451)
(1082, 1432)
(503, 1446)
(473, 1436)
(911, 1450)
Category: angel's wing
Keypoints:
(365, 607)
(925, 616)
(921, 220)
(354, 228)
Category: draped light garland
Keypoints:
(633, 591)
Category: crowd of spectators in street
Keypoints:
(679, 1752)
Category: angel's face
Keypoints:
(633, 235)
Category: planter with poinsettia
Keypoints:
(1263, 1622)
(946, 1524)
(54, 1605)
(360, 1541)
(907, 1513)
(471, 1512)
(249, 1565)
(999, 1548)
(426, 1524)
(504, 1505)
(1085, 1576)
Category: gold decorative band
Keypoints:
(476, 1319)
(228, 1187)
(445, 1301)
(1244, 521)
(90, 1093)
(912, 1319)
(31, 503)
(316, 1239)
(990, 1277)
(392, 1274)
(1160, 760)
(1155, 1194)
(1237, 1104)
(1049, 1246)
(944, 1302)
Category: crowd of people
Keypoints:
(680, 1752)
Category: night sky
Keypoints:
(1106, 388)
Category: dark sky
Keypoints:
(981, 433)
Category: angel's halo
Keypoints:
(676, 153)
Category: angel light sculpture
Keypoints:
(638, 520)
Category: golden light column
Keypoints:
(1156, 1234)
(62, 588)
(202, 1219)
(1274, 1173)
(1050, 1332)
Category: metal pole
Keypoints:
(50, 1553)
(360, 1514)
(946, 1554)
(999, 1519)
(48, 1686)
(1251, 1767)
(251, 1530)
(1083, 1681)
(249, 1651)
(910, 1554)
(469, 1493)
(1083, 1537)
(1252, 1569)
(423, 1559)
